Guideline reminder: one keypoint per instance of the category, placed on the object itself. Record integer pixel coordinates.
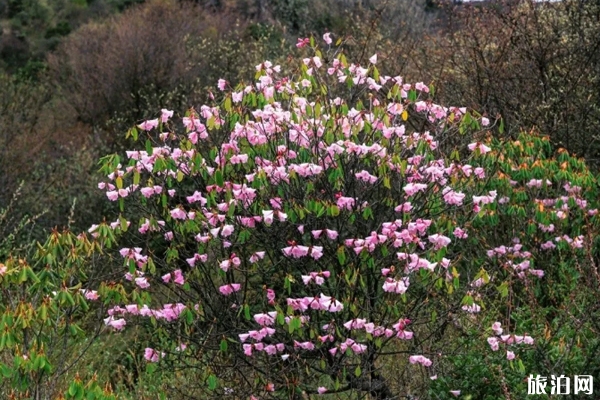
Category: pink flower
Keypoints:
(413, 188)
(147, 192)
(455, 393)
(373, 59)
(493, 342)
(496, 327)
(316, 252)
(259, 255)
(165, 115)
(321, 390)
(485, 121)
(510, 355)
(302, 42)
(452, 197)
(267, 319)
(327, 38)
(419, 359)
(151, 355)
(89, 294)
(345, 202)
(178, 213)
(482, 148)
(329, 304)
(197, 196)
(422, 87)
(222, 84)
(148, 125)
(473, 309)
(439, 241)
(142, 282)
(393, 286)
(268, 216)
(227, 290)
(331, 234)
(113, 195)
(179, 279)
(117, 324)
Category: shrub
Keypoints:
(300, 240)
(334, 231)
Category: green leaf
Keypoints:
(123, 223)
(341, 255)
(357, 371)
(219, 177)
(334, 211)
(212, 382)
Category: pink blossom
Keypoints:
(373, 59)
(89, 294)
(366, 177)
(494, 343)
(473, 309)
(455, 393)
(112, 195)
(197, 196)
(117, 324)
(497, 328)
(345, 202)
(452, 197)
(221, 84)
(321, 390)
(178, 213)
(419, 359)
(482, 148)
(330, 304)
(439, 241)
(142, 282)
(393, 286)
(268, 217)
(227, 290)
(422, 87)
(148, 125)
(510, 355)
(460, 233)
(151, 355)
(165, 115)
(412, 188)
(302, 42)
(179, 279)
(316, 252)
(331, 234)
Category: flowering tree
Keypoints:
(307, 232)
